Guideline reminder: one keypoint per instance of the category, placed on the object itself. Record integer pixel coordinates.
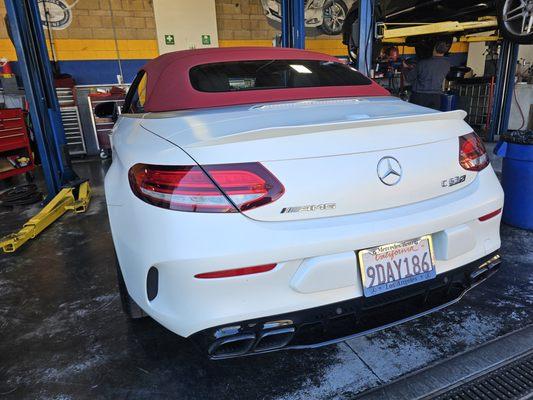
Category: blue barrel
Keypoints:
(517, 182)
(448, 101)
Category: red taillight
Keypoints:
(248, 185)
(472, 153)
(188, 188)
(226, 273)
(490, 215)
(177, 188)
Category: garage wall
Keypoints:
(187, 22)
(243, 23)
(526, 52)
(243, 20)
(476, 57)
(86, 48)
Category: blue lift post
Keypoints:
(293, 24)
(35, 68)
(293, 29)
(366, 36)
(503, 93)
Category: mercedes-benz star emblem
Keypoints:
(389, 171)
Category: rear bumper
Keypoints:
(336, 322)
(316, 258)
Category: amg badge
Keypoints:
(313, 207)
(453, 181)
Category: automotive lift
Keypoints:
(397, 33)
(75, 198)
(65, 190)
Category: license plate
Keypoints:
(396, 265)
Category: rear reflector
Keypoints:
(472, 153)
(490, 215)
(226, 273)
(152, 283)
(189, 188)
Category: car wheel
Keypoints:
(131, 309)
(353, 49)
(333, 16)
(515, 19)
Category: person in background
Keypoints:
(427, 77)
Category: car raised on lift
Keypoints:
(515, 20)
(264, 199)
(327, 15)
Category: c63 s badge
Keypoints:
(453, 181)
(312, 207)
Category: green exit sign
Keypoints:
(206, 39)
(169, 39)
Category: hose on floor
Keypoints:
(21, 195)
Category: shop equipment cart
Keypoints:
(103, 126)
(16, 156)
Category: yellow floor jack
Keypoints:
(75, 198)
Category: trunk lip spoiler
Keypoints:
(278, 131)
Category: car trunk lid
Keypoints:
(333, 157)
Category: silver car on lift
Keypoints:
(328, 15)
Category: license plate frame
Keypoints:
(409, 278)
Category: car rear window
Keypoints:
(273, 74)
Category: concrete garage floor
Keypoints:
(63, 334)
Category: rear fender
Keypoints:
(133, 144)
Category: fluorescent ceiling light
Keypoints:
(302, 69)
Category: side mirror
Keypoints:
(106, 109)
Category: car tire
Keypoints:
(352, 49)
(333, 15)
(130, 308)
(514, 30)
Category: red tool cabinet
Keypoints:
(14, 143)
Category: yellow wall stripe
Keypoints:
(240, 43)
(7, 50)
(104, 49)
(330, 46)
(92, 49)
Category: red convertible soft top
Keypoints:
(169, 88)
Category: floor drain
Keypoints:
(509, 382)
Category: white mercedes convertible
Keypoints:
(266, 198)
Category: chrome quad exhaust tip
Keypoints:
(271, 336)
(273, 339)
(232, 346)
